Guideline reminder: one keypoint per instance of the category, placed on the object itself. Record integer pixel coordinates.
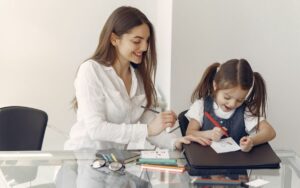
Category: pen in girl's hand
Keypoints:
(215, 123)
(157, 112)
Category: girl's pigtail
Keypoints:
(205, 87)
(258, 98)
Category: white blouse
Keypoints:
(197, 108)
(107, 116)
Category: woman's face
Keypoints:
(230, 99)
(131, 46)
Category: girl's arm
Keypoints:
(194, 130)
(264, 133)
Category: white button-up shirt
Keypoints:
(107, 117)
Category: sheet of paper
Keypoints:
(156, 154)
(257, 183)
(225, 145)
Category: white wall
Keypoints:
(265, 32)
(164, 41)
(42, 44)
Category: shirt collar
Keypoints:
(108, 67)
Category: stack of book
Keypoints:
(159, 160)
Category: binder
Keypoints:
(204, 157)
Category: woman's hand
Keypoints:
(162, 121)
(246, 143)
(190, 138)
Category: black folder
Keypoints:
(204, 157)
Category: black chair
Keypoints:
(22, 128)
(183, 122)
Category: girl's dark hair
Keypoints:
(120, 22)
(233, 73)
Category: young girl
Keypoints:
(113, 85)
(235, 96)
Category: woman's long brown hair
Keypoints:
(120, 22)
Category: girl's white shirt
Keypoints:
(107, 117)
(197, 108)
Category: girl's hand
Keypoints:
(246, 143)
(216, 133)
(162, 121)
(188, 139)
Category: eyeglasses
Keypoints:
(114, 166)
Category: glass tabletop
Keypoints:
(73, 169)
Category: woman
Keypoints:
(114, 84)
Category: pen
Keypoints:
(168, 129)
(157, 112)
(216, 123)
(182, 152)
(173, 129)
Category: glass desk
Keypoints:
(70, 169)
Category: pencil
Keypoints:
(157, 112)
(113, 157)
(216, 123)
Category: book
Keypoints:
(179, 169)
(122, 156)
(204, 157)
(219, 179)
(170, 162)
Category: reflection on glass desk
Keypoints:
(70, 169)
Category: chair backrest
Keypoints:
(183, 122)
(22, 128)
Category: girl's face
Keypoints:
(229, 99)
(131, 46)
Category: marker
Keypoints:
(216, 123)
